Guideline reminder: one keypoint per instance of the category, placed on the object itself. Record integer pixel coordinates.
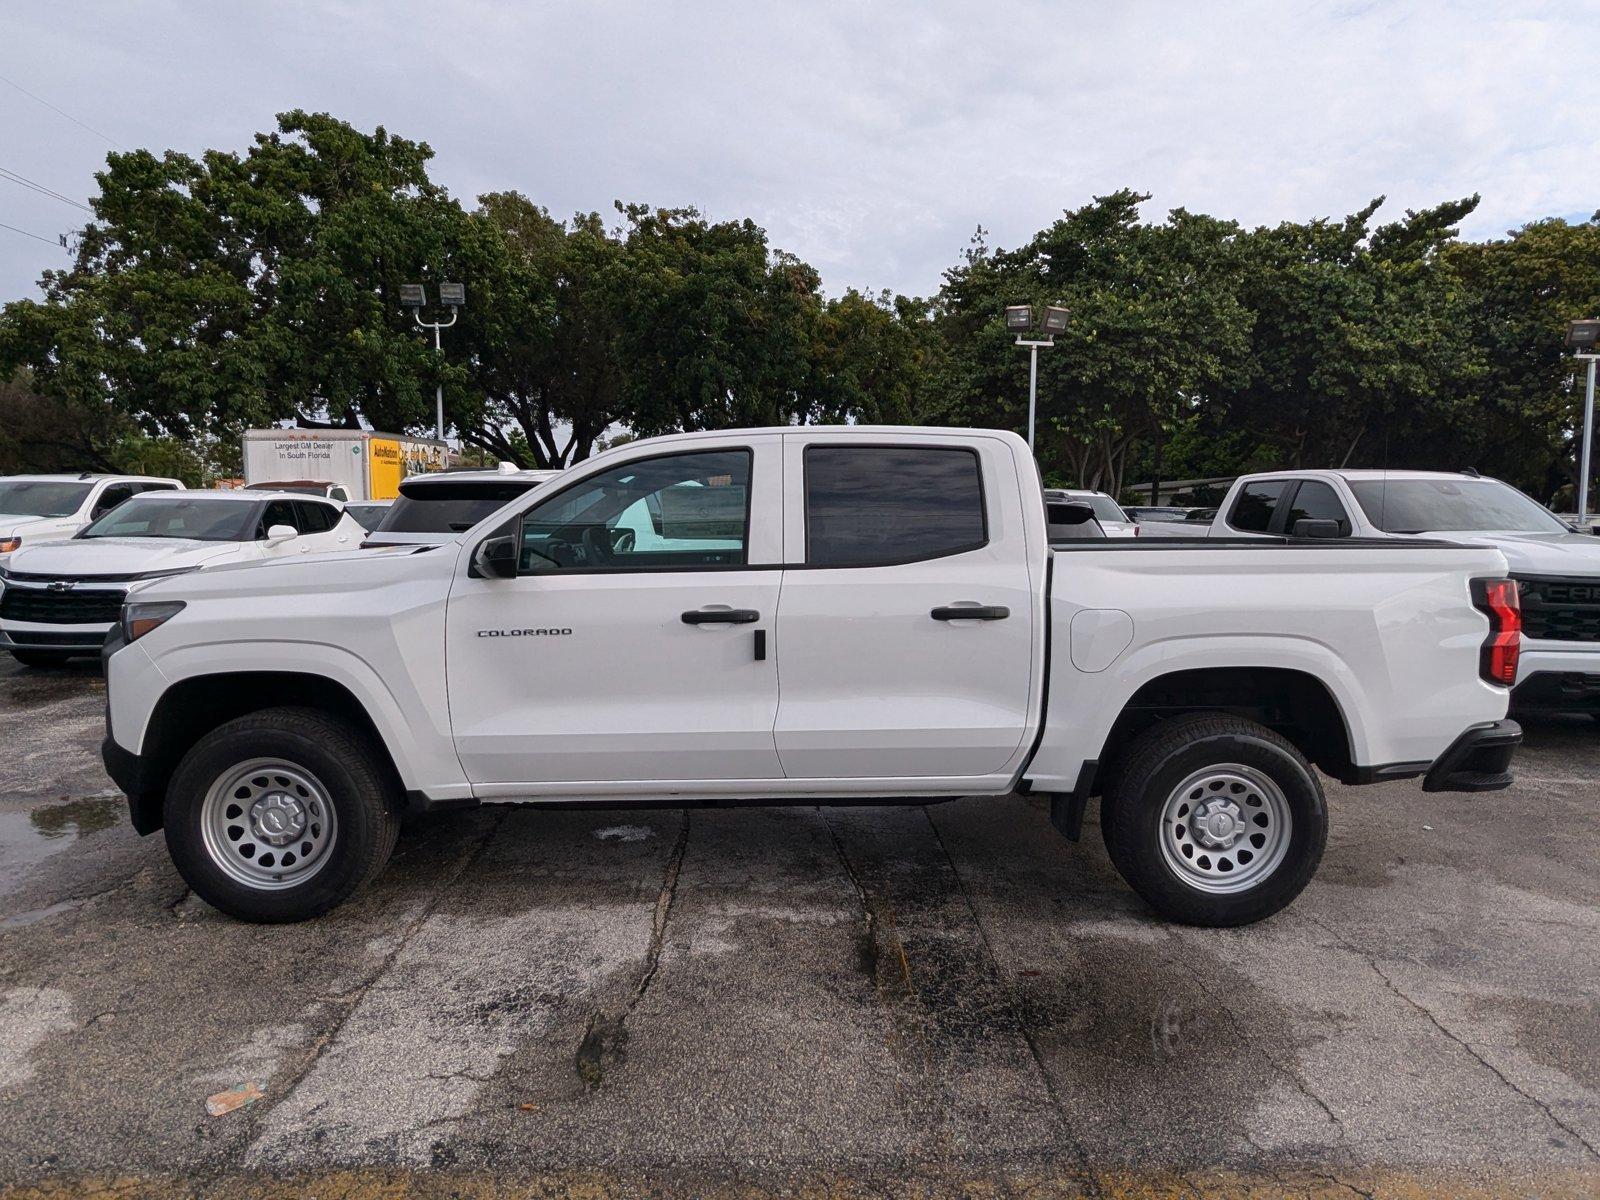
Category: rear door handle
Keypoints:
(721, 616)
(971, 612)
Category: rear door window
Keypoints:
(1257, 505)
(316, 518)
(1316, 501)
(877, 505)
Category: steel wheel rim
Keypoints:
(1225, 828)
(268, 824)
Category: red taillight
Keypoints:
(1497, 599)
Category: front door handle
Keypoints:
(971, 612)
(721, 616)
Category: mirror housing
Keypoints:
(495, 558)
(1316, 527)
(279, 534)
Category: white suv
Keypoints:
(39, 508)
(59, 599)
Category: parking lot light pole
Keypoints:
(1019, 320)
(1582, 337)
(414, 296)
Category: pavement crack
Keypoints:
(605, 1035)
(351, 1000)
(1388, 982)
(1057, 1104)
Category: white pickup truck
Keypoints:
(806, 616)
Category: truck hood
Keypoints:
(13, 524)
(116, 556)
(1537, 553)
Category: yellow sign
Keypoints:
(385, 468)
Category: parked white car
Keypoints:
(42, 508)
(1556, 566)
(58, 599)
(618, 637)
(1115, 522)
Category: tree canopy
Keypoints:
(229, 290)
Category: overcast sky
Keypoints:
(868, 138)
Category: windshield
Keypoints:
(203, 518)
(1105, 508)
(448, 508)
(1451, 505)
(42, 498)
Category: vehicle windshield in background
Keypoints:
(42, 498)
(447, 507)
(1105, 508)
(201, 518)
(366, 515)
(1451, 506)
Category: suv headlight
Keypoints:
(140, 617)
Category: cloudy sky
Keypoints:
(868, 138)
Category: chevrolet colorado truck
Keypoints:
(806, 616)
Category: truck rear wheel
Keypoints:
(280, 815)
(1215, 820)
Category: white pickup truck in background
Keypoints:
(46, 508)
(619, 637)
(1556, 565)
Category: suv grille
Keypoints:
(81, 606)
(1558, 609)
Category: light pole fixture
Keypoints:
(1019, 320)
(454, 297)
(1582, 337)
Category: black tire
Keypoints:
(1160, 760)
(360, 789)
(41, 658)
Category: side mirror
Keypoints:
(1068, 512)
(279, 534)
(1316, 527)
(495, 558)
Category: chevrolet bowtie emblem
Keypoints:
(61, 585)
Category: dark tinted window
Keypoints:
(114, 495)
(1446, 505)
(278, 512)
(883, 504)
(316, 518)
(448, 508)
(1253, 510)
(1316, 501)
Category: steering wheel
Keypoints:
(597, 544)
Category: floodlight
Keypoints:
(413, 295)
(1055, 320)
(453, 294)
(1019, 318)
(1582, 335)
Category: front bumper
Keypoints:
(1477, 761)
(76, 640)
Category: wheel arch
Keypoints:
(1296, 704)
(194, 706)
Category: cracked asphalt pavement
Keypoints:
(948, 1000)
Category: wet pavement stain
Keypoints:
(79, 818)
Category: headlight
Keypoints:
(140, 617)
(10, 545)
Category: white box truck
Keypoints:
(361, 464)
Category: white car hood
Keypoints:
(117, 556)
(1537, 553)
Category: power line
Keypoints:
(42, 190)
(59, 112)
(56, 242)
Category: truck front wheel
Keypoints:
(280, 815)
(1215, 820)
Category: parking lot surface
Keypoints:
(849, 1001)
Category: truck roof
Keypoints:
(88, 477)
